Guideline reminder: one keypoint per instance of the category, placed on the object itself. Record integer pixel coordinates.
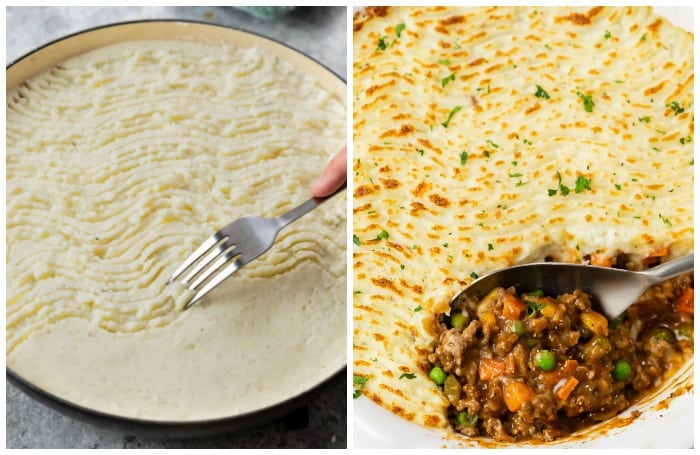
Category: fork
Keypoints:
(234, 246)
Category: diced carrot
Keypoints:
(563, 392)
(655, 255)
(684, 304)
(516, 394)
(552, 377)
(601, 260)
(513, 307)
(491, 368)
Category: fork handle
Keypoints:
(305, 208)
(671, 269)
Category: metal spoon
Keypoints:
(613, 289)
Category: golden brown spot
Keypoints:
(652, 90)
(389, 183)
(415, 288)
(439, 200)
(578, 18)
(369, 309)
(362, 208)
(417, 207)
(654, 26)
(431, 421)
(388, 284)
(453, 20)
(478, 61)
(398, 410)
(379, 337)
(477, 36)
(405, 129)
(420, 189)
(401, 116)
(493, 68)
(363, 190)
(533, 108)
(374, 88)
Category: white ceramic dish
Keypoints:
(666, 419)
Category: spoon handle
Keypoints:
(670, 269)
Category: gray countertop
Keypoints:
(319, 32)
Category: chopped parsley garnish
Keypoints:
(540, 93)
(357, 292)
(537, 293)
(490, 246)
(383, 235)
(444, 61)
(516, 175)
(563, 189)
(417, 309)
(463, 157)
(355, 240)
(446, 80)
(452, 113)
(686, 140)
(399, 28)
(582, 183)
(607, 34)
(420, 151)
(676, 108)
(474, 275)
(407, 376)
(533, 308)
(644, 119)
(643, 38)
(587, 101)
(487, 154)
(381, 45)
(445, 245)
(401, 266)
(618, 186)
(665, 220)
(359, 382)
(491, 143)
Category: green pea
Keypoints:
(464, 419)
(615, 323)
(437, 375)
(545, 360)
(661, 333)
(621, 370)
(458, 320)
(517, 327)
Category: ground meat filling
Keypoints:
(517, 367)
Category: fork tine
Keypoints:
(223, 273)
(213, 265)
(199, 252)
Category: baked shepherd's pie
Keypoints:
(486, 137)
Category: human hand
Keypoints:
(333, 176)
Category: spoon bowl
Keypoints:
(613, 289)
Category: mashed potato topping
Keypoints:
(120, 162)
